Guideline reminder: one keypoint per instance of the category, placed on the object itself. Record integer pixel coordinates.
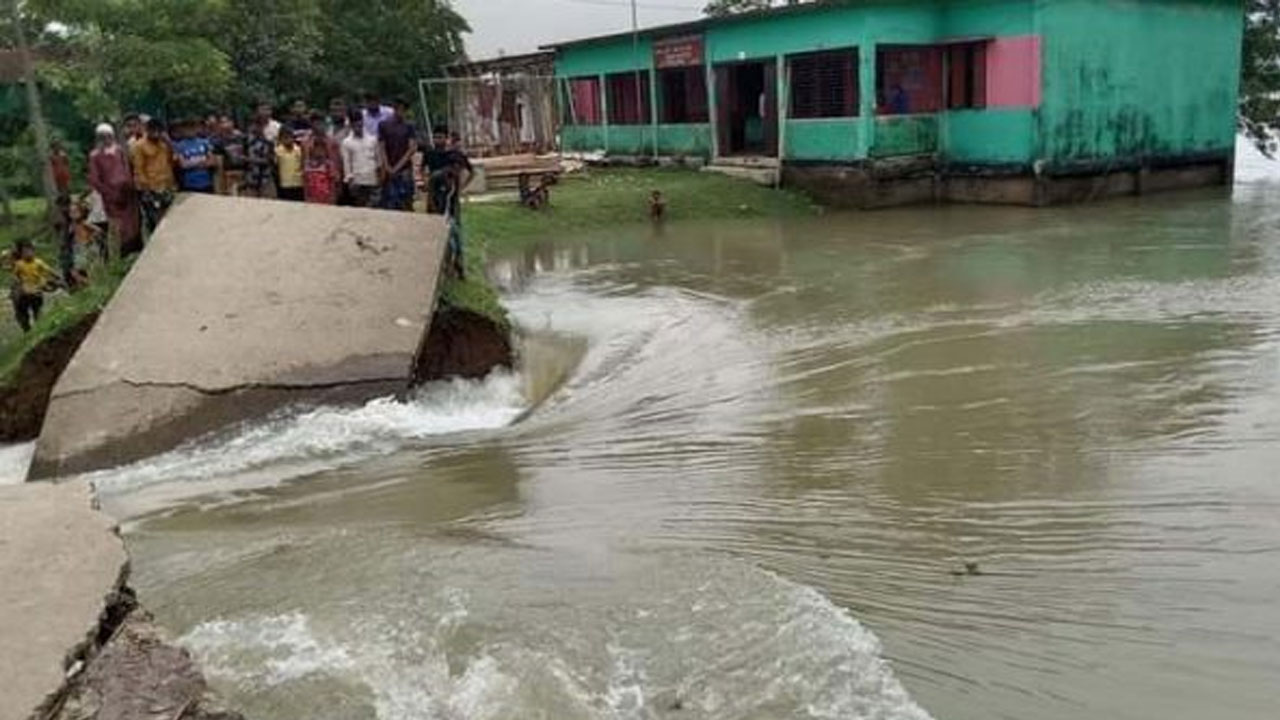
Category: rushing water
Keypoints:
(741, 466)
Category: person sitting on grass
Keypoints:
(531, 196)
(31, 276)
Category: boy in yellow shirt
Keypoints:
(289, 161)
(30, 276)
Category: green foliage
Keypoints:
(275, 48)
(113, 55)
(1260, 75)
(176, 57)
(387, 45)
(62, 310)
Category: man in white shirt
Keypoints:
(360, 163)
(270, 126)
(374, 114)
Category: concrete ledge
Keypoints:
(911, 181)
(239, 306)
(63, 565)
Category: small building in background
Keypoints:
(897, 101)
(503, 106)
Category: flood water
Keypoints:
(742, 466)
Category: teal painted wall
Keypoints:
(1122, 79)
(582, 138)
(602, 59)
(834, 139)
(691, 140)
(905, 135)
(994, 135)
(688, 140)
(1125, 79)
(967, 18)
(902, 21)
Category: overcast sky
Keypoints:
(516, 26)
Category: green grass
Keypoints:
(599, 200)
(61, 310)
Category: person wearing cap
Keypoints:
(111, 176)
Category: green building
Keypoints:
(882, 102)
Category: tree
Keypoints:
(39, 126)
(1260, 75)
(386, 45)
(275, 47)
(153, 54)
(721, 8)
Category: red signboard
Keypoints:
(677, 52)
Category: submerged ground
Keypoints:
(775, 442)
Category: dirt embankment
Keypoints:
(24, 400)
(132, 670)
(463, 344)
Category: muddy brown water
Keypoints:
(744, 462)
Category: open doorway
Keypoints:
(747, 108)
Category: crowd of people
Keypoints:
(361, 155)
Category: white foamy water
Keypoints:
(15, 460)
(302, 442)
(737, 643)
(1251, 165)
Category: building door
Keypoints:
(747, 108)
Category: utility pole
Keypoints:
(635, 59)
(34, 111)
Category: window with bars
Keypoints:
(824, 84)
(967, 70)
(583, 107)
(628, 98)
(909, 80)
(684, 95)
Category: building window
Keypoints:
(824, 85)
(967, 71)
(684, 95)
(908, 80)
(583, 107)
(629, 98)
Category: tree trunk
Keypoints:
(35, 113)
(6, 206)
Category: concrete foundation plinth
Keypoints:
(62, 561)
(237, 307)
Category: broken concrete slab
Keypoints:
(63, 562)
(237, 307)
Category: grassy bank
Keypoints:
(62, 310)
(597, 201)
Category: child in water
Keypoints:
(657, 205)
(31, 276)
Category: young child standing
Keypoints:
(30, 276)
(318, 175)
(289, 167)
